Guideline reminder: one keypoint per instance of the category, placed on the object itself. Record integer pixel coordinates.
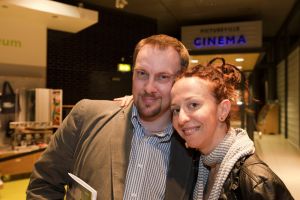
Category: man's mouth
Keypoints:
(149, 99)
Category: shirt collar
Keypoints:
(135, 120)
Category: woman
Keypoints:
(228, 167)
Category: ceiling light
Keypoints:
(80, 5)
(121, 3)
(194, 61)
(239, 59)
(239, 67)
(239, 103)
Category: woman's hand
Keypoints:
(124, 100)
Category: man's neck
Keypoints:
(157, 125)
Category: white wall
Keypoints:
(293, 97)
(281, 94)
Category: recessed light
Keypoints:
(239, 67)
(239, 103)
(239, 59)
(194, 61)
(116, 79)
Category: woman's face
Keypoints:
(196, 114)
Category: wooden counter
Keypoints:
(14, 162)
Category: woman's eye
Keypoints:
(193, 106)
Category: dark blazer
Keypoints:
(94, 143)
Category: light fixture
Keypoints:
(239, 67)
(239, 59)
(80, 5)
(116, 79)
(121, 3)
(239, 103)
(194, 61)
(123, 67)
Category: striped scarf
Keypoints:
(235, 145)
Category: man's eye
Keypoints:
(164, 78)
(141, 74)
(175, 111)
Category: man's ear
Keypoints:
(224, 109)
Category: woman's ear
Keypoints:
(224, 109)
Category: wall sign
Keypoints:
(23, 43)
(223, 36)
(10, 42)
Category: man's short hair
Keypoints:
(162, 42)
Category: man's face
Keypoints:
(153, 76)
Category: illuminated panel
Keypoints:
(122, 67)
(223, 36)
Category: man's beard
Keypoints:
(148, 111)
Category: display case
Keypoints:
(30, 133)
(41, 105)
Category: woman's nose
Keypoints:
(183, 117)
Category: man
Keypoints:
(123, 153)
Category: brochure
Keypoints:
(84, 192)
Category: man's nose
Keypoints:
(150, 86)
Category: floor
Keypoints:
(14, 190)
(277, 152)
(283, 158)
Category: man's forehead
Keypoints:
(156, 47)
(152, 58)
(156, 72)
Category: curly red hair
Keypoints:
(225, 79)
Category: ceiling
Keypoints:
(172, 14)
(53, 15)
(16, 14)
(249, 62)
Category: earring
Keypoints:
(221, 119)
(186, 145)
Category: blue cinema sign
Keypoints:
(220, 41)
(223, 36)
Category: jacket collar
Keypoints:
(120, 149)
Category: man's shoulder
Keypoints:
(87, 110)
(94, 105)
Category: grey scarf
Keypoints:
(235, 145)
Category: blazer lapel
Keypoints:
(180, 173)
(122, 132)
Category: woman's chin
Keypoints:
(191, 144)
